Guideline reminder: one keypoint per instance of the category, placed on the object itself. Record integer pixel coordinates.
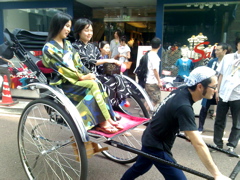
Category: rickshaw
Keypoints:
(53, 142)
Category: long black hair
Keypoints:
(119, 33)
(57, 24)
(79, 25)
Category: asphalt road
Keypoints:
(101, 168)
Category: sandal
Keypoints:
(117, 116)
(107, 129)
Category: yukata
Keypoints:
(116, 89)
(87, 95)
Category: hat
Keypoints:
(198, 75)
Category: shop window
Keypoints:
(29, 19)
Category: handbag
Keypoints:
(128, 64)
(111, 68)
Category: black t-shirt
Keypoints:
(175, 113)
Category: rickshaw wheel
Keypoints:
(136, 107)
(132, 137)
(49, 143)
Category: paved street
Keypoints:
(102, 168)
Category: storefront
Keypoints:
(199, 27)
(175, 23)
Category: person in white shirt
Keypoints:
(123, 50)
(114, 44)
(153, 82)
(228, 96)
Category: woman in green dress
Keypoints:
(81, 86)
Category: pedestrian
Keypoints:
(220, 51)
(228, 96)
(173, 115)
(124, 53)
(115, 43)
(153, 81)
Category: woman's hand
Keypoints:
(8, 61)
(114, 61)
(12, 63)
(89, 76)
(116, 57)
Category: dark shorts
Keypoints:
(154, 93)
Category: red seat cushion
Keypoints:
(127, 121)
(43, 68)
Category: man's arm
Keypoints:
(157, 77)
(218, 87)
(204, 154)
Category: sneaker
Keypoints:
(231, 150)
(214, 150)
(200, 130)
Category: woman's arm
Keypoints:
(128, 56)
(8, 61)
(102, 61)
(52, 60)
(89, 76)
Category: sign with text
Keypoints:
(141, 51)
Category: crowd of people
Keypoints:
(218, 84)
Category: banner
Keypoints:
(141, 51)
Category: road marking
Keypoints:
(211, 137)
(11, 115)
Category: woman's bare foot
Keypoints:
(106, 127)
(115, 123)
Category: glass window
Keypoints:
(29, 19)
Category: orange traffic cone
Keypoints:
(6, 94)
